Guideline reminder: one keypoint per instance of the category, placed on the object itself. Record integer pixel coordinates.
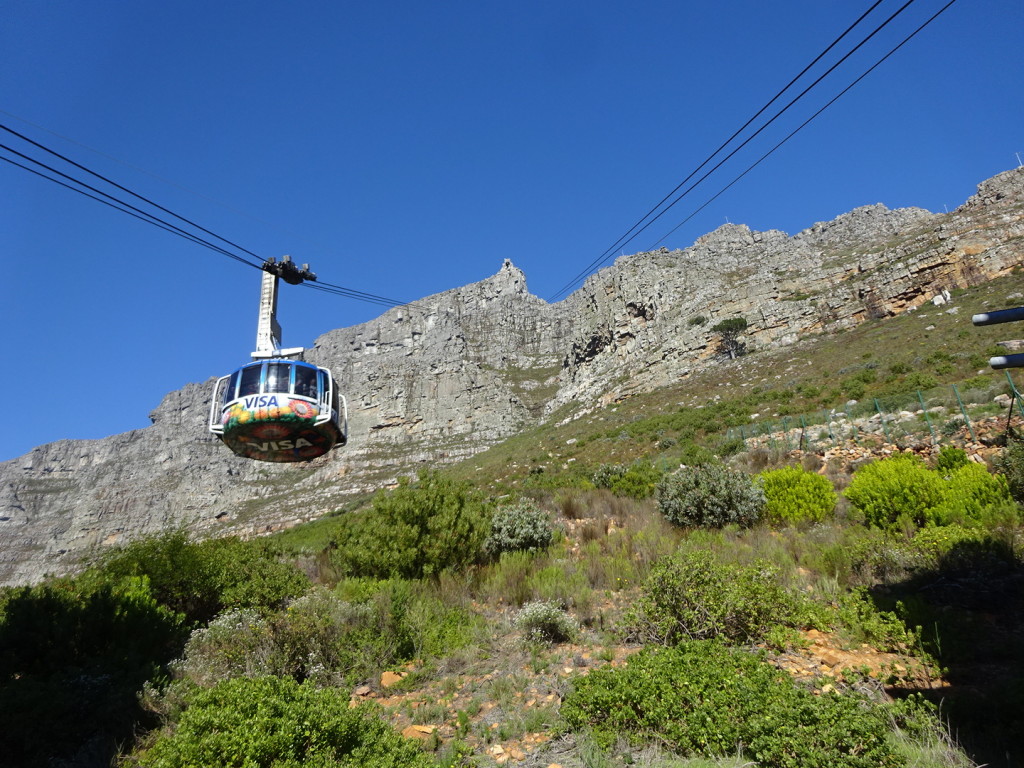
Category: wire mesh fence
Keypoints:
(941, 415)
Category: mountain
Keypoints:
(457, 372)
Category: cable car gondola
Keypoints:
(277, 408)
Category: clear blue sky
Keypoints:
(404, 148)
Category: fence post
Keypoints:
(881, 418)
(828, 423)
(1016, 395)
(924, 409)
(963, 410)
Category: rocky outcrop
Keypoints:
(451, 374)
(646, 321)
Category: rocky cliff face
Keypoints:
(453, 373)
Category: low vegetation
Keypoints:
(226, 653)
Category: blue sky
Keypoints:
(404, 148)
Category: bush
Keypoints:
(545, 622)
(270, 721)
(970, 494)
(325, 638)
(692, 596)
(950, 459)
(419, 529)
(793, 495)
(937, 542)
(201, 579)
(238, 643)
(638, 481)
(709, 495)
(75, 651)
(901, 493)
(702, 699)
(896, 492)
(856, 615)
(1011, 465)
(606, 474)
(518, 527)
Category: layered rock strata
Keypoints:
(454, 373)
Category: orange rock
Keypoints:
(831, 658)
(390, 678)
(419, 732)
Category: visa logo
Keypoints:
(281, 445)
(260, 401)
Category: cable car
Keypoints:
(277, 408)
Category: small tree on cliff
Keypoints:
(730, 330)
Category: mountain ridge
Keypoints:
(457, 372)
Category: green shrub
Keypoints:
(901, 493)
(793, 495)
(692, 596)
(419, 529)
(638, 481)
(75, 651)
(702, 699)
(693, 454)
(896, 492)
(270, 721)
(709, 495)
(731, 446)
(545, 622)
(519, 526)
(936, 543)
(1011, 465)
(950, 458)
(879, 557)
(606, 474)
(326, 638)
(236, 643)
(856, 616)
(952, 426)
(969, 495)
(201, 579)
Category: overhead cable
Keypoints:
(123, 206)
(651, 217)
(623, 239)
(115, 206)
(159, 178)
(125, 189)
(803, 124)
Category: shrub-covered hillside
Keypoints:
(705, 615)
